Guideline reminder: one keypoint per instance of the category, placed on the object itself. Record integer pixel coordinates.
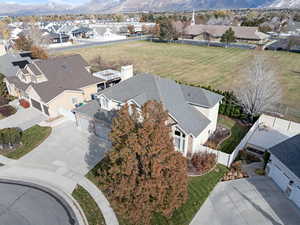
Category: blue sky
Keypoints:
(45, 1)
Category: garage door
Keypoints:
(91, 126)
(36, 104)
(102, 131)
(281, 179)
(295, 196)
(84, 124)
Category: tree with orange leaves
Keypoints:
(143, 174)
(38, 52)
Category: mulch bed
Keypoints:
(3, 101)
(220, 135)
(7, 110)
(235, 172)
(192, 171)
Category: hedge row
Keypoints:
(229, 106)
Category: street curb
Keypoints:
(76, 217)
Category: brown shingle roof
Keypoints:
(62, 73)
(241, 32)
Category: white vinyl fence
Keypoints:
(270, 121)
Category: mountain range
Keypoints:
(112, 6)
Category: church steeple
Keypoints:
(193, 18)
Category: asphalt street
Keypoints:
(21, 204)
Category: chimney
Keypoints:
(126, 72)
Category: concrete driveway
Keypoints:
(23, 118)
(68, 148)
(256, 201)
(26, 205)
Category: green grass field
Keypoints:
(221, 68)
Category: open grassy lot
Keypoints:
(219, 67)
(198, 187)
(237, 134)
(31, 138)
(89, 206)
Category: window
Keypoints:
(179, 140)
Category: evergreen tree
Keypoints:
(228, 36)
(143, 174)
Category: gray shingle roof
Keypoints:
(145, 87)
(200, 96)
(7, 68)
(93, 110)
(288, 152)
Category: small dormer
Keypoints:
(24, 75)
(36, 75)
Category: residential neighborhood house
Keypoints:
(55, 85)
(215, 32)
(193, 112)
(284, 167)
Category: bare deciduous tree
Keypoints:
(260, 88)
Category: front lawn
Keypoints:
(199, 188)
(237, 130)
(31, 138)
(89, 206)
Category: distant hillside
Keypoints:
(101, 6)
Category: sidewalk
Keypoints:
(58, 178)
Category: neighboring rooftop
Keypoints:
(62, 73)
(288, 152)
(241, 32)
(145, 87)
(10, 63)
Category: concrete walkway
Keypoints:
(250, 168)
(23, 119)
(68, 148)
(256, 200)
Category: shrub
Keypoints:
(10, 137)
(203, 161)
(3, 101)
(24, 103)
(266, 158)
(7, 110)
(260, 172)
(38, 53)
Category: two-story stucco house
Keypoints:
(193, 111)
(54, 85)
